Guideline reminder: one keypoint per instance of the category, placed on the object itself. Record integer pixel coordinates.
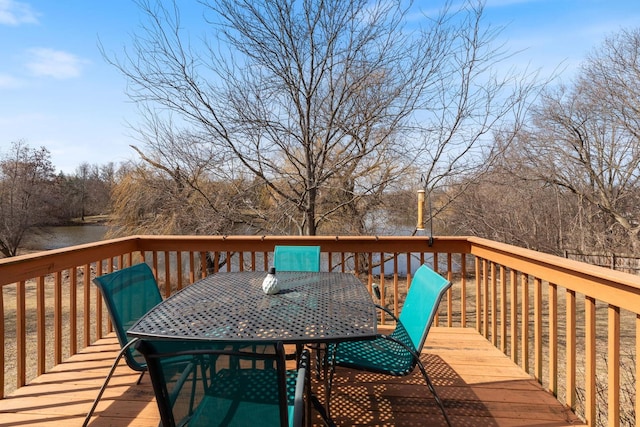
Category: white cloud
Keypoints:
(16, 13)
(54, 63)
(10, 82)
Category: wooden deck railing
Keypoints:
(551, 315)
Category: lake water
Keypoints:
(47, 238)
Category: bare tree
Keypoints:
(25, 180)
(177, 189)
(585, 140)
(504, 206)
(327, 104)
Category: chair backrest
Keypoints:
(296, 258)
(421, 305)
(200, 385)
(129, 294)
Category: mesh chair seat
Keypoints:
(382, 355)
(226, 387)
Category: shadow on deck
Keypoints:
(478, 384)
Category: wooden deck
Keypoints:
(479, 385)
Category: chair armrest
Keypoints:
(386, 310)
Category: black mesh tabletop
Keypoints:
(310, 307)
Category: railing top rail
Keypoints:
(615, 287)
(388, 244)
(28, 266)
(37, 264)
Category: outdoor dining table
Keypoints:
(231, 307)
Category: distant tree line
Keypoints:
(33, 195)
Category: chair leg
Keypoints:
(320, 354)
(329, 369)
(433, 391)
(140, 377)
(106, 381)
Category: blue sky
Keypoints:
(57, 91)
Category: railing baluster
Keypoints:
(494, 306)
(241, 261)
(57, 318)
(383, 293)
(524, 335)
(553, 339)
(167, 273)
(485, 298)
(571, 349)
(21, 335)
(73, 311)
(449, 292)
(154, 265)
(503, 309)
(409, 255)
(41, 337)
(463, 291)
(590, 360)
(179, 283)
(514, 315)
(86, 279)
(436, 320)
(613, 364)
(192, 267)
(396, 303)
(370, 271)
(537, 328)
(99, 320)
(478, 295)
(203, 264)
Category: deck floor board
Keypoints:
(479, 385)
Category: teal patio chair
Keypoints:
(128, 293)
(227, 387)
(300, 258)
(296, 258)
(399, 353)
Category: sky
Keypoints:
(57, 90)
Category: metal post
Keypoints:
(420, 225)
